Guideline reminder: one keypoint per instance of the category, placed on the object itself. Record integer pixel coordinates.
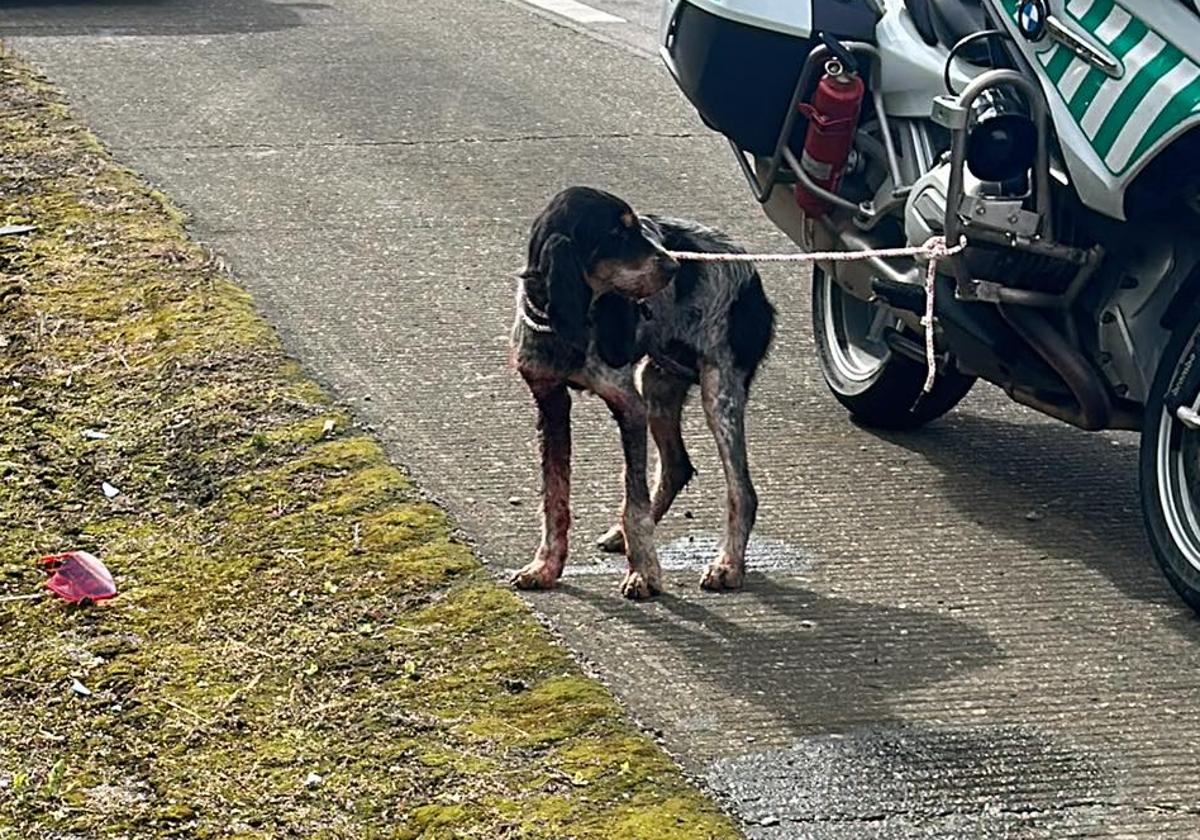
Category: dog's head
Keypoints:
(590, 243)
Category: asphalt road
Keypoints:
(957, 633)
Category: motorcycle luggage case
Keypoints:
(738, 61)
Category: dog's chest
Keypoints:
(662, 320)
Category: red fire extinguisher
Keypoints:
(832, 119)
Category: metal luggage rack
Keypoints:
(776, 173)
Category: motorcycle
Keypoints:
(1056, 139)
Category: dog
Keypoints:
(603, 307)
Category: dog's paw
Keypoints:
(537, 575)
(723, 575)
(639, 587)
(612, 541)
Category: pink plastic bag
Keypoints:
(77, 576)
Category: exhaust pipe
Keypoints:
(1092, 410)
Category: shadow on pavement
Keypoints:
(1085, 485)
(54, 18)
(814, 662)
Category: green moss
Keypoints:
(403, 528)
(427, 818)
(676, 818)
(308, 431)
(534, 717)
(336, 456)
(300, 646)
(361, 490)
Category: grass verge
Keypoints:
(301, 647)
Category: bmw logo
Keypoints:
(1031, 19)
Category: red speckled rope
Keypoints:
(934, 249)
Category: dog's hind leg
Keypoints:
(724, 394)
(664, 395)
(554, 438)
(644, 577)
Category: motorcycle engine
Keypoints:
(994, 207)
(925, 210)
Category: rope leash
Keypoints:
(932, 251)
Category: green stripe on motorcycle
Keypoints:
(1133, 94)
(1183, 105)
(1096, 15)
(1058, 62)
(1128, 38)
(1082, 100)
(1086, 92)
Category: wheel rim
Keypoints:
(850, 326)
(1178, 467)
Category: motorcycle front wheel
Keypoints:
(1169, 468)
(877, 386)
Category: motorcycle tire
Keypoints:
(1169, 462)
(879, 388)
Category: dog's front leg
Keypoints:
(664, 396)
(554, 439)
(644, 577)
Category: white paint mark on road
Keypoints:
(578, 12)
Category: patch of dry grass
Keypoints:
(301, 647)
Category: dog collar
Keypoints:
(666, 363)
(534, 318)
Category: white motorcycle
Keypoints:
(1059, 139)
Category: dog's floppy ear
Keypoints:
(615, 318)
(568, 292)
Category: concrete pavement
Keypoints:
(953, 633)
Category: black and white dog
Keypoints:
(603, 307)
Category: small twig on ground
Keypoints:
(33, 596)
(516, 729)
(19, 680)
(242, 690)
(186, 710)
(413, 630)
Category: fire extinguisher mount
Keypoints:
(782, 167)
(832, 115)
(843, 56)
